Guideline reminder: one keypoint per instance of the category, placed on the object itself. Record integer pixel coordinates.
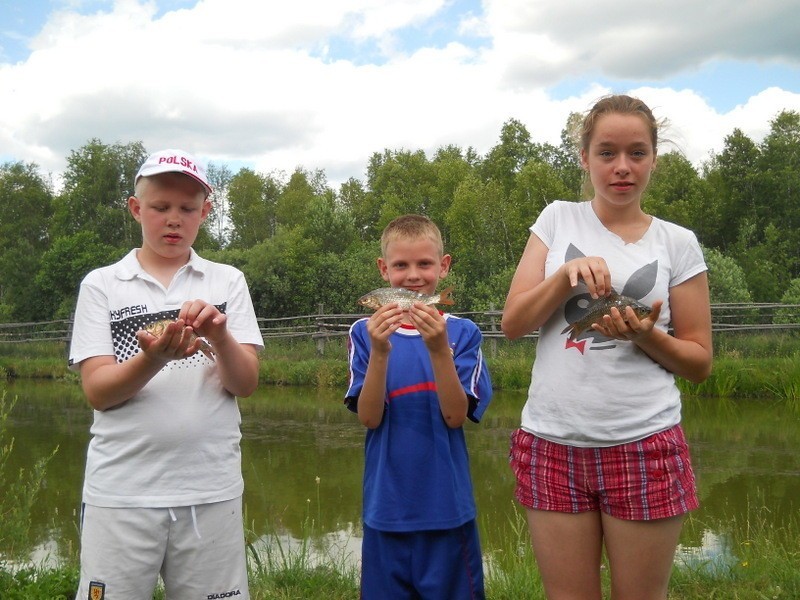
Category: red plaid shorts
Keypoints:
(647, 479)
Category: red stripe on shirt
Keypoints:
(428, 386)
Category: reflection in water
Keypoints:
(302, 459)
(712, 555)
(340, 548)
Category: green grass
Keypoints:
(763, 566)
(758, 365)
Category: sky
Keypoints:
(323, 84)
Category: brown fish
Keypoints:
(601, 307)
(157, 329)
(404, 298)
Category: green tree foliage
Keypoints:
(779, 169)
(97, 184)
(25, 210)
(63, 267)
(399, 182)
(303, 244)
(298, 196)
(790, 296)
(252, 200)
(726, 279)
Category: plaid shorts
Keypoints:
(647, 479)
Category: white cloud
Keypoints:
(258, 82)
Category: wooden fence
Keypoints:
(321, 327)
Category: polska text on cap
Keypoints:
(174, 161)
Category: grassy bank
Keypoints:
(762, 566)
(745, 365)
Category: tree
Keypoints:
(328, 225)
(97, 184)
(779, 171)
(218, 222)
(63, 267)
(400, 182)
(25, 210)
(280, 273)
(506, 159)
(354, 200)
(734, 175)
(294, 201)
(251, 204)
(677, 193)
(726, 279)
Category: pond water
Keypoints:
(303, 458)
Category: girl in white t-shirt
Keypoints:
(600, 457)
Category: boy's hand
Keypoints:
(175, 343)
(431, 326)
(382, 324)
(205, 319)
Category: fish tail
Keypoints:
(444, 296)
(574, 330)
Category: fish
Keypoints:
(404, 298)
(601, 307)
(157, 329)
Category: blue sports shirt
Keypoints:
(416, 468)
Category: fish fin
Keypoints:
(574, 330)
(444, 296)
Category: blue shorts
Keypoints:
(429, 565)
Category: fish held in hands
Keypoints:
(157, 329)
(602, 307)
(404, 298)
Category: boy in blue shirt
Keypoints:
(415, 377)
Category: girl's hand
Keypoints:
(594, 272)
(628, 326)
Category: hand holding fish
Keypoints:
(164, 341)
(594, 272)
(628, 324)
(430, 325)
(205, 319)
(382, 324)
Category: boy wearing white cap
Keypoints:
(163, 484)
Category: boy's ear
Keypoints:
(383, 268)
(206, 209)
(135, 206)
(445, 265)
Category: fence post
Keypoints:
(320, 329)
(493, 329)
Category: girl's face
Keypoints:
(414, 264)
(620, 158)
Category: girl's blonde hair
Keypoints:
(622, 105)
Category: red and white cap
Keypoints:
(174, 161)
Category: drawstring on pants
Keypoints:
(194, 520)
